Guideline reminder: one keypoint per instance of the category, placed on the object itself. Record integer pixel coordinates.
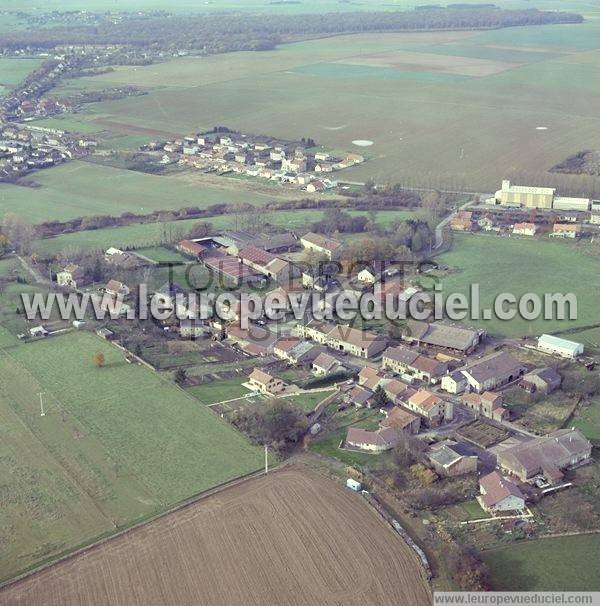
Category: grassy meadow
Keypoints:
(79, 189)
(519, 266)
(116, 444)
(556, 564)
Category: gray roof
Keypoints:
(498, 364)
(404, 355)
(553, 451)
(448, 454)
(442, 334)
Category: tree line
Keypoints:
(218, 33)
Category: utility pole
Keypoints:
(266, 459)
(42, 413)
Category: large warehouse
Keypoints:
(536, 197)
(560, 347)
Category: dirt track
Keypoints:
(293, 537)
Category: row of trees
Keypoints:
(225, 33)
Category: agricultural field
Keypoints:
(519, 266)
(433, 108)
(541, 565)
(13, 70)
(79, 189)
(116, 444)
(207, 553)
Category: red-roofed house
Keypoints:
(499, 494)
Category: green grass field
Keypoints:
(519, 266)
(219, 391)
(160, 254)
(117, 443)
(13, 70)
(558, 564)
(429, 125)
(589, 421)
(79, 189)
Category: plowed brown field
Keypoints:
(292, 537)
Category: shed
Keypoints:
(560, 347)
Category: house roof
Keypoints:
(497, 488)
(360, 395)
(496, 365)
(192, 247)
(547, 375)
(260, 376)
(447, 455)
(286, 343)
(369, 377)
(325, 361)
(382, 437)
(398, 418)
(442, 334)
(425, 400)
(256, 255)
(322, 241)
(546, 453)
(354, 336)
(401, 354)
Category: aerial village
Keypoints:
(294, 163)
(449, 386)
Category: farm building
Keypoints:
(116, 288)
(373, 441)
(536, 197)
(559, 347)
(493, 371)
(451, 459)
(541, 380)
(548, 456)
(322, 244)
(522, 195)
(191, 248)
(443, 335)
(498, 494)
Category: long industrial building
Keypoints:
(536, 197)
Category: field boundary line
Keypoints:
(97, 542)
(542, 537)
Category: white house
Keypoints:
(498, 494)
